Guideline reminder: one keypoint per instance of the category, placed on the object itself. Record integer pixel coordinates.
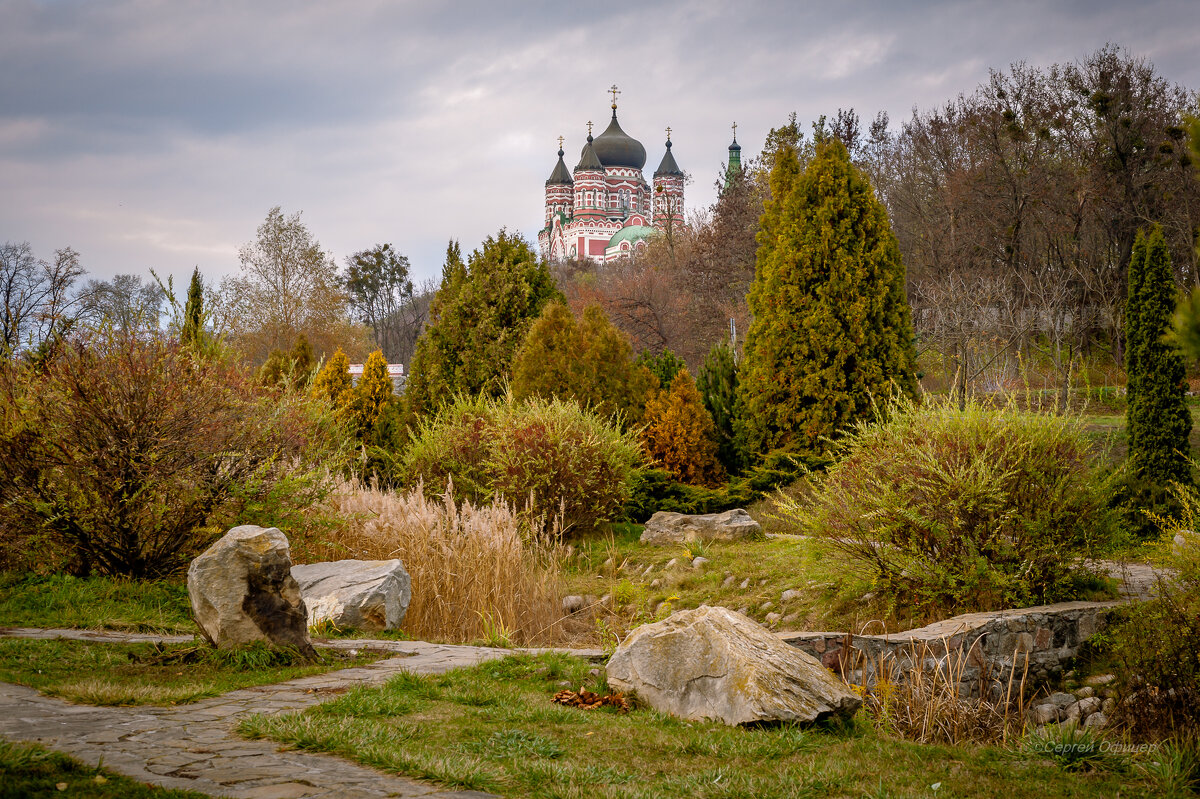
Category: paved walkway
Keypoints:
(195, 746)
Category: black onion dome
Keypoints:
(587, 157)
(735, 147)
(668, 166)
(560, 176)
(614, 147)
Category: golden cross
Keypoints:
(668, 132)
(735, 130)
(560, 141)
(614, 91)
(589, 127)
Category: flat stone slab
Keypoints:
(666, 527)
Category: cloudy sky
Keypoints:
(157, 133)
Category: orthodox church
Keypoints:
(604, 208)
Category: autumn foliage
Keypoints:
(679, 433)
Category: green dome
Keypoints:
(631, 234)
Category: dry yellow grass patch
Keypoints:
(478, 573)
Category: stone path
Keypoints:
(195, 746)
(1138, 581)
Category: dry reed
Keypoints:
(478, 573)
(918, 694)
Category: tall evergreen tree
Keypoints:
(832, 331)
(1158, 418)
(480, 316)
(717, 384)
(193, 312)
(1134, 298)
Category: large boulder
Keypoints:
(362, 594)
(665, 527)
(713, 663)
(242, 591)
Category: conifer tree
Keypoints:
(1159, 421)
(193, 312)
(587, 360)
(478, 319)
(832, 332)
(365, 403)
(333, 381)
(717, 384)
(678, 433)
(664, 366)
(1134, 297)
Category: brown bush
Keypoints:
(117, 454)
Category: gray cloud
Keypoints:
(157, 134)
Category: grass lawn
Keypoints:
(644, 583)
(1107, 430)
(29, 771)
(493, 728)
(150, 674)
(95, 603)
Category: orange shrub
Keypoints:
(679, 434)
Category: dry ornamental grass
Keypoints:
(478, 573)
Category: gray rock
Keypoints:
(242, 590)
(712, 663)
(1090, 705)
(1044, 714)
(773, 618)
(572, 603)
(656, 583)
(1095, 721)
(698, 562)
(665, 527)
(744, 584)
(766, 605)
(362, 594)
(789, 595)
(728, 581)
(1061, 700)
(1085, 692)
(1098, 680)
(672, 563)
(1108, 707)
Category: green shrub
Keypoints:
(1157, 644)
(548, 457)
(652, 490)
(587, 360)
(974, 507)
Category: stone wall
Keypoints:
(979, 649)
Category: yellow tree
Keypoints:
(366, 401)
(679, 433)
(333, 381)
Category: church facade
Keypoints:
(604, 208)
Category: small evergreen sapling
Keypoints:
(717, 384)
(679, 433)
(333, 381)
